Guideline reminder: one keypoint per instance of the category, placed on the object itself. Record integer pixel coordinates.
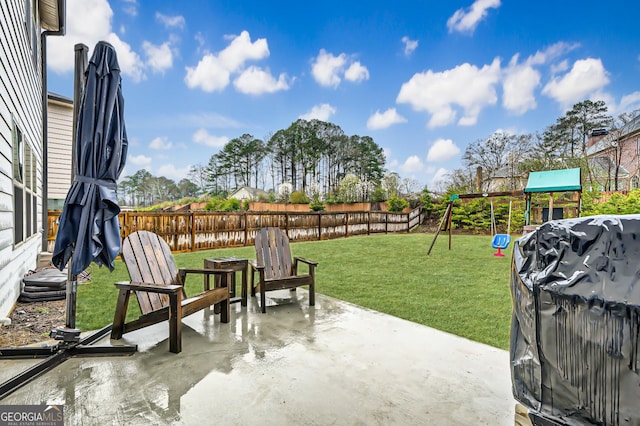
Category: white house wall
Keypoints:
(20, 102)
(59, 134)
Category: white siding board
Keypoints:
(20, 100)
(59, 133)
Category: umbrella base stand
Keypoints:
(70, 346)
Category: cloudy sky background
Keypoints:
(423, 79)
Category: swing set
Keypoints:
(549, 181)
(500, 241)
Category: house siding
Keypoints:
(20, 103)
(59, 134)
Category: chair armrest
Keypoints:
(254, 265)
(153, 288)
(303, 260)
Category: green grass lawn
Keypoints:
(464, 291)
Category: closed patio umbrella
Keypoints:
(89, 229)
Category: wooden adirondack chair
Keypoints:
(274, 266)
(159, 287)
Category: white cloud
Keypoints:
(207, 119)
(159, 58)
(199, 38)
(130, 7)
(203, 137)
(550, 53)
(386, 119)
(518, 85)
(439, 179)
(442, 150)
(561, 66)
(629, 102)
(438, 92)
(356, 73)
(586, 78)
(129, 61)
(466, 21)
(171, 21)
(327, 68)
(160, 142)
(319, 112)
(256, 81)
(89, 23)
(170, 171)
(209, 75)
(412, 164)
(409, 45)
(139, 160)
(520, 80)
(213, 71)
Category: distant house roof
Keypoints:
(554, 181)
(631, 127)
(253, 193)
(59, 98)
(604, 165)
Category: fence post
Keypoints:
(286, 224)
(346, 225)
(408, 221)
(386, 223)
(319, 226)
(246, 231)
(368, 223)
(193, 231)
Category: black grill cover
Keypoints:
(576, 320)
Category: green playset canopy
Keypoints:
(554, 181)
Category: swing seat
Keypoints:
(501, 241)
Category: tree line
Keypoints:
(144, 189)
(306, 154)
(312, 156)
(561, 145)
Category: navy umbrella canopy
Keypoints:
(89, 228)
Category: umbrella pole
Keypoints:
(72, 290)
(81, 52)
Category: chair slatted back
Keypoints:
(149, 260)
(272, 251)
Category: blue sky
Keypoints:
(422, 78)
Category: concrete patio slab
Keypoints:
(332, 364)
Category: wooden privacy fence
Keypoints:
(202, 230)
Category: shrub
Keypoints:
(397, 204)
(378, 195)
(218, 204)
(267, 198)
(316, 205)
(298, 197)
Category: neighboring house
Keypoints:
(60, 135)
(618, 148)
(22, 140)
(505, 179)
(251, 194)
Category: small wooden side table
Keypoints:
(236, 264)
